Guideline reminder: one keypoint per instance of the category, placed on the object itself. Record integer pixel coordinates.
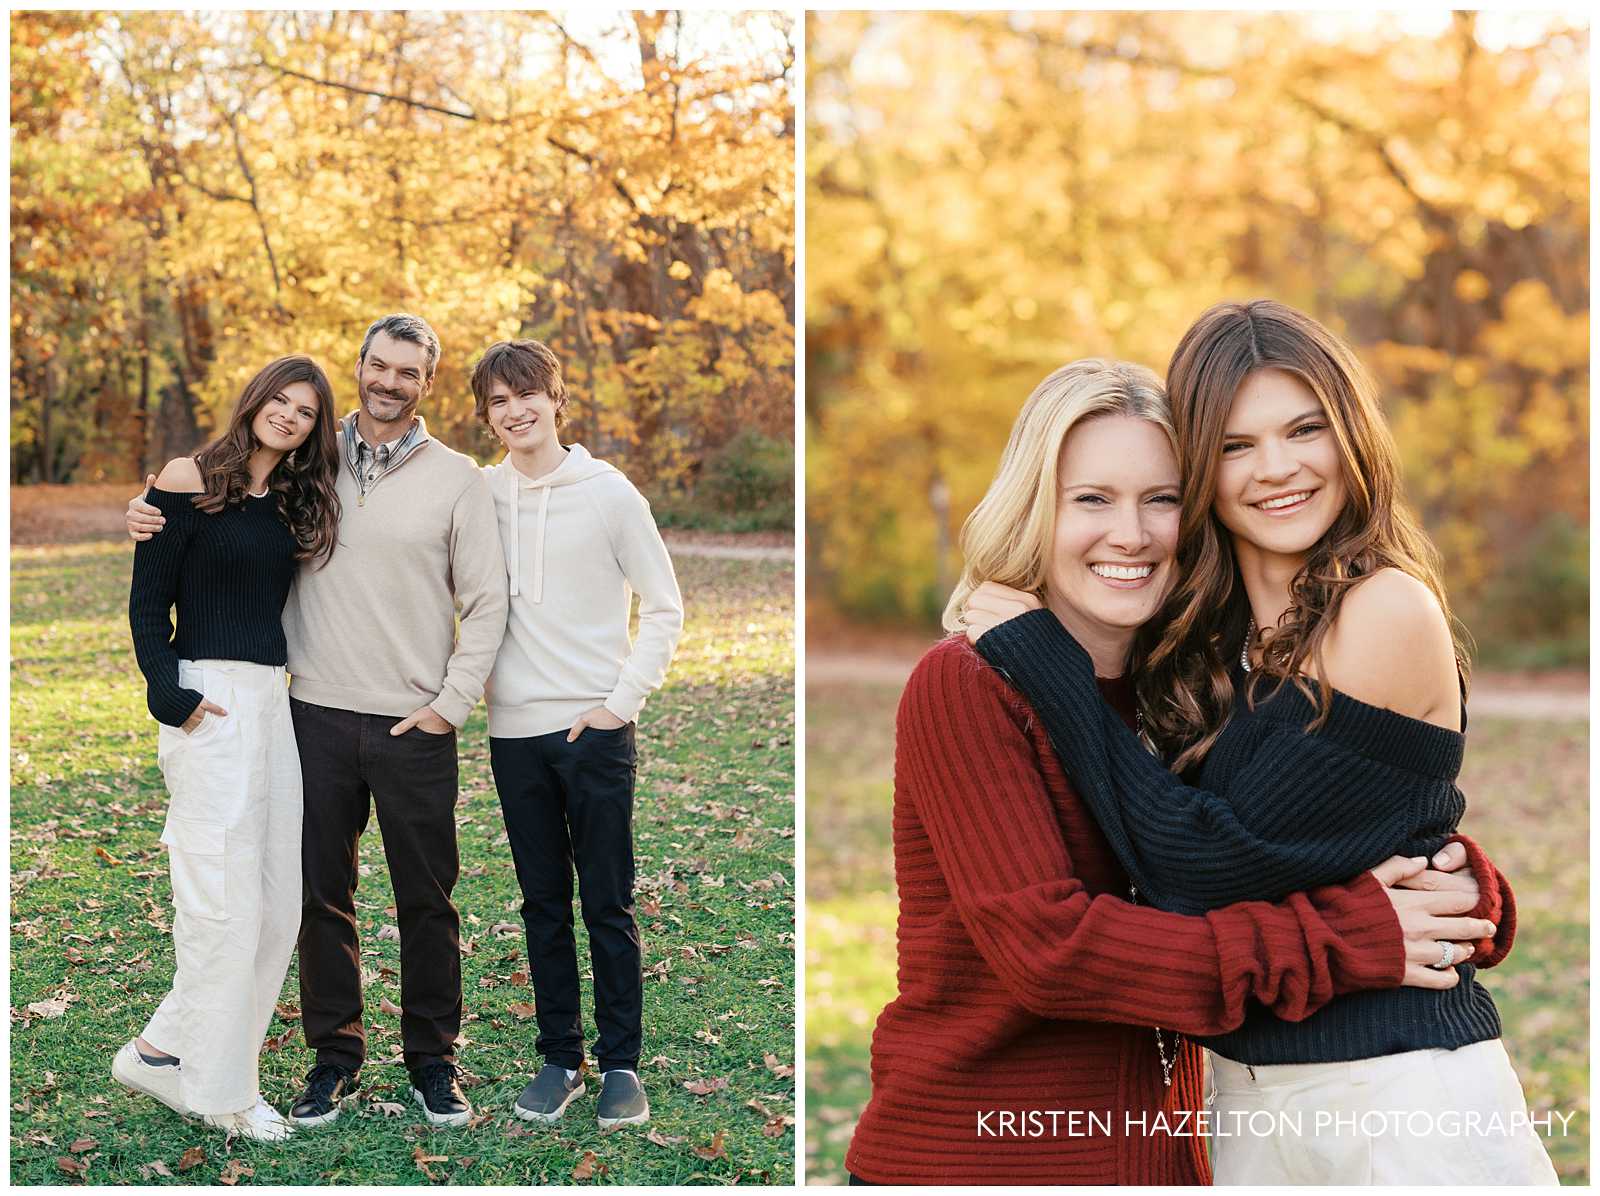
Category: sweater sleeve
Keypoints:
(1307, 811)
(157, 568)
(648, 568)
(1496, 902)
(980, 794)
(478, 579)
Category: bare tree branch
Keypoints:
(458, 114)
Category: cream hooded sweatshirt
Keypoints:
(578, 543)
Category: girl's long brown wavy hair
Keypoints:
(304, 479)
(1182, 663)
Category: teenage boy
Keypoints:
(563, 696)
(382, 678)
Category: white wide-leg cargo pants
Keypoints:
(233, 841)
(1419, 1117)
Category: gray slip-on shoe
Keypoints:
(548, 1094)
(622, 1100)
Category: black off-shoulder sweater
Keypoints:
(1275, 810)
(229, 576)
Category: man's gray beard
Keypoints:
(404, 413)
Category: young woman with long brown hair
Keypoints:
(241, 514)
(1306, 674)
(1020, 1047)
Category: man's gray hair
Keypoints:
(405, 327)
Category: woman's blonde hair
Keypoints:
(1007, 537)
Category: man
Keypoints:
(565, 691)
(382, 679)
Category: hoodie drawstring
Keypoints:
(514, 539)
(538, 551)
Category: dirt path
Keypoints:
(729, 552)
(1532, 696)
(73, 514)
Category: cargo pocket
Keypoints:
(216, 689)
(198, 854)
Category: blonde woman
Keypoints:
(1326, 742)
(1031, 981)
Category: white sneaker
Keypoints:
(131, 1071)
(262, 1123)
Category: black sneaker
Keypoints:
(438, 1090)
(326, 1085)
(548, 1094)
(622, 1100)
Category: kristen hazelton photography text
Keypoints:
(1261, 1123)
(452, 371)
(1133, 476)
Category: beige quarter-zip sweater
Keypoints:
(375, 630)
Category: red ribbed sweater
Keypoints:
(1029, 984)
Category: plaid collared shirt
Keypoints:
(369, 463)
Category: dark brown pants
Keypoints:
(350, 763)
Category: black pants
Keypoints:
(565, 804)
(349, 762)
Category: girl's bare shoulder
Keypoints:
(181, 476)
(1390, 646)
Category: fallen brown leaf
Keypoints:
(192, 1158)
(777, 1126)
(146, 1170)
(56, 1006)
(73, 1167)
(83, 1144)
(519, 978)
(782, 1070)
(661, 1139)
(713, 1152)
(389, 1007)
(105, 855)
(523, 1010)
(705, 1087)
(422, 1161)
(587, 1166)
(389, 932)
(235, 1170)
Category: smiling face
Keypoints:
(524, 420)
(1112, 557)
(391, 378)
(286, 418)
(1280, 481)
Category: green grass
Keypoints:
(714, 826)
(1527, 784)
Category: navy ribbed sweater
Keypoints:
(1276, 810)
(228, 574)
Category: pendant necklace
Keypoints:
(1167, 1064)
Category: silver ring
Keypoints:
(1446, 957)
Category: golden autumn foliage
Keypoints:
(195, 193)
(989, 196)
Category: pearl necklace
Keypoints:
(1244, 652)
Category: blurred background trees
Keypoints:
(989, 196)
(195, 193)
